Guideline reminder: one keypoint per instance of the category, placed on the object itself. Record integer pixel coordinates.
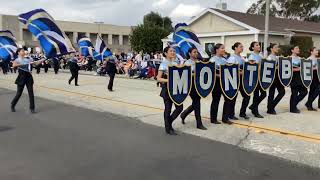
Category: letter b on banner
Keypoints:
(285, 71)
(179, 83)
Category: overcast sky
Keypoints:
(119, 12)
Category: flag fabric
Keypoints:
(101, 50)
(184, 39)
(8, 45)
(53, 40)
(85, 46)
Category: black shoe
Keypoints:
(77, 85)
(233, 118)
(257, 115)
(227, 122)
(215, 122)
(69, 82)
(32, 111)
(201, 127)
(182, 119)
(297, 111)
(310, 108)
(272, 111)
(244, 116)
(172, 132)
(13, 109)
(110, 90)
(251, 107)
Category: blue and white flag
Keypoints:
(53, 40)
(85, 46)
(184, 39)
(101, 50)
(8, 45)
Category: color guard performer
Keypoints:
(74, 69)
(196, 105)
(237, 59)
(24, 78)
(315, 85)
(111, 70)
(218, 59)
(273, 102)
(162, 77)
(298, 91)
(259, 93)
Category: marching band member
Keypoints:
(169, 59)
(74, 69)
(259, 93)
(237, 59)
(24, 78)
(218, 59)
(111, 70)
(298, 91)
(195, 106)
(315, 85)
(273, 102)
(56, 64)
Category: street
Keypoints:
(67, 142)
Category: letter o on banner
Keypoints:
(204, 78)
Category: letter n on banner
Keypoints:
(179, 83)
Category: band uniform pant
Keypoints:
(298, 91)
(273, 102)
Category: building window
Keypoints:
(115, 39)
(125, 40)
(93, 37)
(27, 36)
(209, 48)
(105, 38)
(69, 35)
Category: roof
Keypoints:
(276, 24)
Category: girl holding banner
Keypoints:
(169, 54)
(259, 93)
(237, 59)
(273, 102)
(298, 90)
(195, 106)
(218, 59)
(315, 85)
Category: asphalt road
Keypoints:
(64, 142)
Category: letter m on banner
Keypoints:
(179, 83)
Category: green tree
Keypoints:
(305, 43)
(314, 18)
(147, 37)
(292, 9)
(155, 19)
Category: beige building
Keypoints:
(227, 27)
(116, 37)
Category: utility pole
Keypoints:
(266, 27)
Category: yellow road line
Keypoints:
(240, 124)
